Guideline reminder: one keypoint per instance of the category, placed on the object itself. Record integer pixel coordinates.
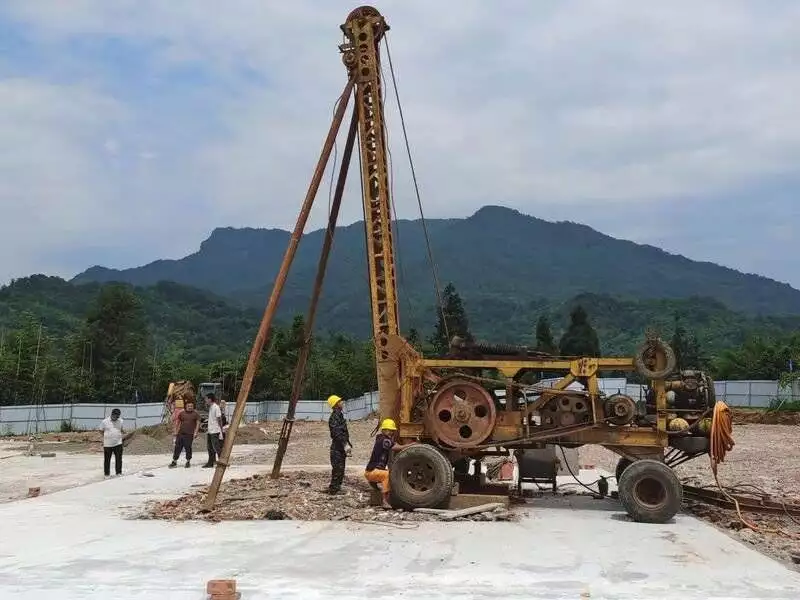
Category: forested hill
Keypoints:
(502, 263)
(207, 328)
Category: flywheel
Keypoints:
(462, 414)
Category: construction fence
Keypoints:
(27, 419)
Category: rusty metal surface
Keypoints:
(619, 409)
(462, 414)
(364, 29)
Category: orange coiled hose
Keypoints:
(721, 434)
(721, 443)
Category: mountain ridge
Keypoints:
(496, 255)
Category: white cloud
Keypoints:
(527, 104)
(52, 179)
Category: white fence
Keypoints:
(20, 420)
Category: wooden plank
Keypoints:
(469, 500)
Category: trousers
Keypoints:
(214, 446)
(380, 476)
(338, 459)
(183, 441)
(116, 451)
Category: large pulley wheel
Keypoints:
(646, 359)
(421, 477)
(650, 491)
(462, 414)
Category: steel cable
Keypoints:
(431, 260)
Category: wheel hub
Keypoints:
(462, 414)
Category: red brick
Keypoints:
(221, 586)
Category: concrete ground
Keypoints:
(83, 542)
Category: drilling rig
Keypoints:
(449, 405)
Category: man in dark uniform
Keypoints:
(377, 471)
(339, 439)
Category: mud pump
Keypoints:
(450, 405)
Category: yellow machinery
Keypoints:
(450, 404)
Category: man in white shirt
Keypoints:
(112, 442)
(214, 435)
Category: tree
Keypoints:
(413, 337)
(686, 347)
(580, 338)
(544, 336)
(758, 358)
(118, 341)
(456, 321)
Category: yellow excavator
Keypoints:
(448, 404)
(179, 392)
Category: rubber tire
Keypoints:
(622, 464)
(642, 368)
(403, 495)
(640, 511)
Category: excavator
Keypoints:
(179, 392)
(448, 404)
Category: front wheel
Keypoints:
(420, 477)
(650, 491)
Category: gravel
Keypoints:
(296, 495)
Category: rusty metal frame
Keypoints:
(401, 370)
(364, 28)
(629, 441)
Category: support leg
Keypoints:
(272, 305)
(300, 369)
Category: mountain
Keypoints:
(501, 261)
(205, 326)
(208, 328)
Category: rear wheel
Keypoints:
(421, 477)
(622, 464)
(650, 491)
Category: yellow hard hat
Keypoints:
(388, 424)
(333, 400)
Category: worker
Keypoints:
(186, 431)
(112, 428)
(214, 435)
(377, 471)
(340, 438)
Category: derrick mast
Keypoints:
(364, 28)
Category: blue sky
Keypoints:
(131, 129)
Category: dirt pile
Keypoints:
(743, 416)
(298, 496)
(157, 439)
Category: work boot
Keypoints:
(173, 464)
(208, 466)
(188, 464)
